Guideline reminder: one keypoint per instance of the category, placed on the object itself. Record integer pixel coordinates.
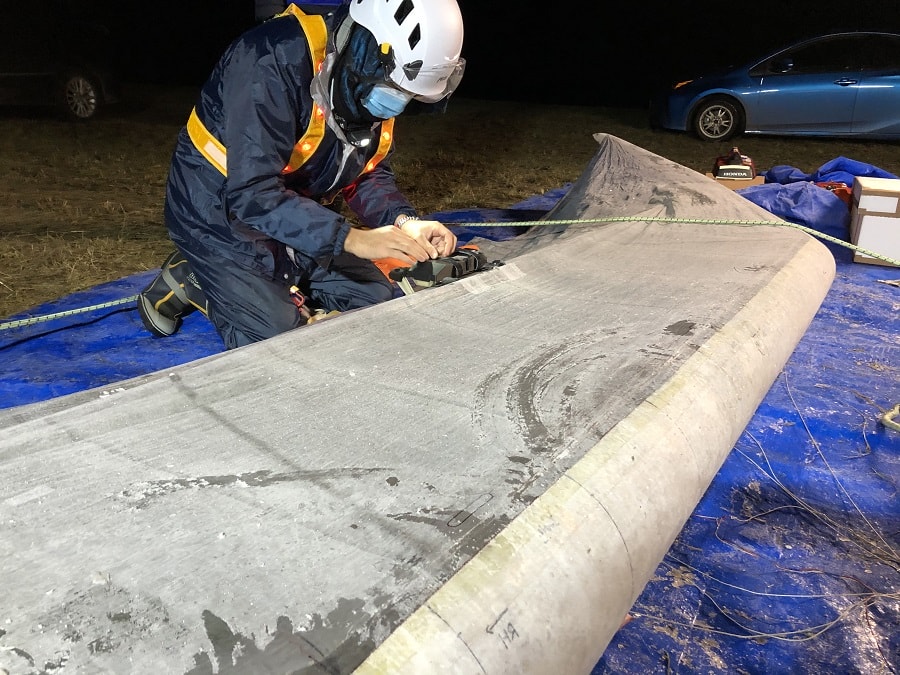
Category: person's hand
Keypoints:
(387, 242)
(431, 235)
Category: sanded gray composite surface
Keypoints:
(477, 478)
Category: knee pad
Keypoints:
(172, 295)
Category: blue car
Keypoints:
(844, 84)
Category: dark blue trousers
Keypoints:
(246, 307)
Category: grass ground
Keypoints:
(81, 204)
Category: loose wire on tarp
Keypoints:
(854, 592)
(19, 323)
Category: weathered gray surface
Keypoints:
(479, 478)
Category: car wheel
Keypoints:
(717, 119)
(79, 96)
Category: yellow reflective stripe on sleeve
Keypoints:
(384, 145)
(207, 144)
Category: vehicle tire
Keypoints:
(717, 119)
(79, 96)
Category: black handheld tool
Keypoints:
(463, 262)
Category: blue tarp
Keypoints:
(790, 562)
(81, 351)
(806, 204)
(838, 170)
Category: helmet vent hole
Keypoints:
(415, 36)
(403, 11)
(411, 70)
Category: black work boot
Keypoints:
(171, 296)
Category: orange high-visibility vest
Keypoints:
(316, 37)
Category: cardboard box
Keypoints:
(737, 183)
(875, 218)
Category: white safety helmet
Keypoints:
(421, 41)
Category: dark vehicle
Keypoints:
(56, 58)
(845, 84)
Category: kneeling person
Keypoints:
(299, 112)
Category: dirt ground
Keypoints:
(81, 204)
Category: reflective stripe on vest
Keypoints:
(316, 36)
(384, 145)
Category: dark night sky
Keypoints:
(585, 52)
(616, 52)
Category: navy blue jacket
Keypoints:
(257, 103)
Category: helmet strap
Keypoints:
(342, 34)
(352, 77)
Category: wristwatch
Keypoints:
(402, 218)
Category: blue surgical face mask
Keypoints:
(384, 101)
